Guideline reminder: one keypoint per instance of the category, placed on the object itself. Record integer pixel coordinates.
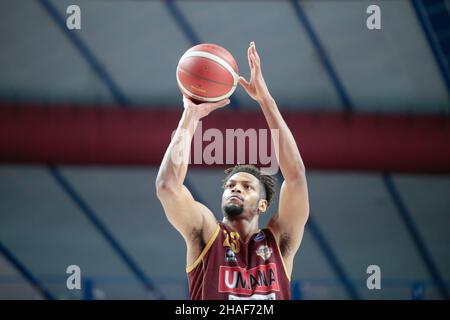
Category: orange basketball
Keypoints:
(207, 73)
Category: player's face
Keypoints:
(241, 195)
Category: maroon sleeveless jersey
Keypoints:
(229, 269)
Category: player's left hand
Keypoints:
(256, 87)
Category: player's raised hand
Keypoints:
(256, 87)
(203, 109)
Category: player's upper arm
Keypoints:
(186, 214)
(293, 212)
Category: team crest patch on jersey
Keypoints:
(260, 236)
(230, 256)
(265, 252)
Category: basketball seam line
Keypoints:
(204, 78)
(215, 58)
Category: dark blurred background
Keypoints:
(85, 116)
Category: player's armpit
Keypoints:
(293, 211)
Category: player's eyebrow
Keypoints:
(241, 181)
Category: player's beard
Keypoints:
(233, 210)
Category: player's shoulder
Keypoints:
(273, 226)
(211, 227)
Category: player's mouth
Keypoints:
(235, 197)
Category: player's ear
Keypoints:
(262, 206)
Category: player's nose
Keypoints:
(236, 188)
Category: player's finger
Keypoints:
(248, 57)
(255, 66)
(216, 105)
(255, 60)
(253, 48)
(244, 83)
(256, 55)
(253, 69)
(254, 52)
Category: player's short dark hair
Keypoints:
(268, 182)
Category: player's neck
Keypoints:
(245, 228)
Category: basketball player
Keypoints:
(234, 258)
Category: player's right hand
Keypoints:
(203, 109)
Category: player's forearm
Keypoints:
(172, 171)
(289, 158)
